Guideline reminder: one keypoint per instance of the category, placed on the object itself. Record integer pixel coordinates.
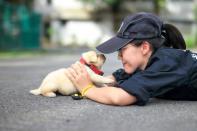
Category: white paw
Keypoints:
(109, 81)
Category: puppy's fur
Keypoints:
(57, 81)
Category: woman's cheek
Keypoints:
(128, 68)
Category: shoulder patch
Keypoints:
(194, 56)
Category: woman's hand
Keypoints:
(78, 75)
(107, 95)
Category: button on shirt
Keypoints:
(170, 73)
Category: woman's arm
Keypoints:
(106, 95)
(110, 96)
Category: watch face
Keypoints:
(77, 96)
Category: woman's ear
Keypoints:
(145, 47)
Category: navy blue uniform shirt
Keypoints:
(170, 73)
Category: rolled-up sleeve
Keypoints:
(134, 87)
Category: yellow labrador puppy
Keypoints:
(57, 81)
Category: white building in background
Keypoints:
(72, 22)
(181, 13)
(180, 10)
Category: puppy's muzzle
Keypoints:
(102, 56)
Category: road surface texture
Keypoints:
(21, 111)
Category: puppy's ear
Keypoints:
(93, 56)
(90, 56)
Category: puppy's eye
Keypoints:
(91, 62)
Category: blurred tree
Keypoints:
(158, 4)
(27, 3)
(195, 15)
(114, 6)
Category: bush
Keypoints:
(190, 41)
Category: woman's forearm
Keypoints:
(110, 96)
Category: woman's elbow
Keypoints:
(123, 100)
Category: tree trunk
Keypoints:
(156, 7)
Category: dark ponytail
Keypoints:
(173, 37)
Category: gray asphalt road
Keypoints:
(20, 111)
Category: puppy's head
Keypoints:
(91, 57)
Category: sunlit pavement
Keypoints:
(21, 111)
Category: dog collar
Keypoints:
(91, 66)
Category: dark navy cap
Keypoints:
(140, 26)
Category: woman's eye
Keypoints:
(123, 48)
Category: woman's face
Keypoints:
(132, 58)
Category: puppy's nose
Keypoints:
(102, 56)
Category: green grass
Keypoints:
(190, 42)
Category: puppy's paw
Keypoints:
(49, 94)
(35, 92)
(109, 81)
